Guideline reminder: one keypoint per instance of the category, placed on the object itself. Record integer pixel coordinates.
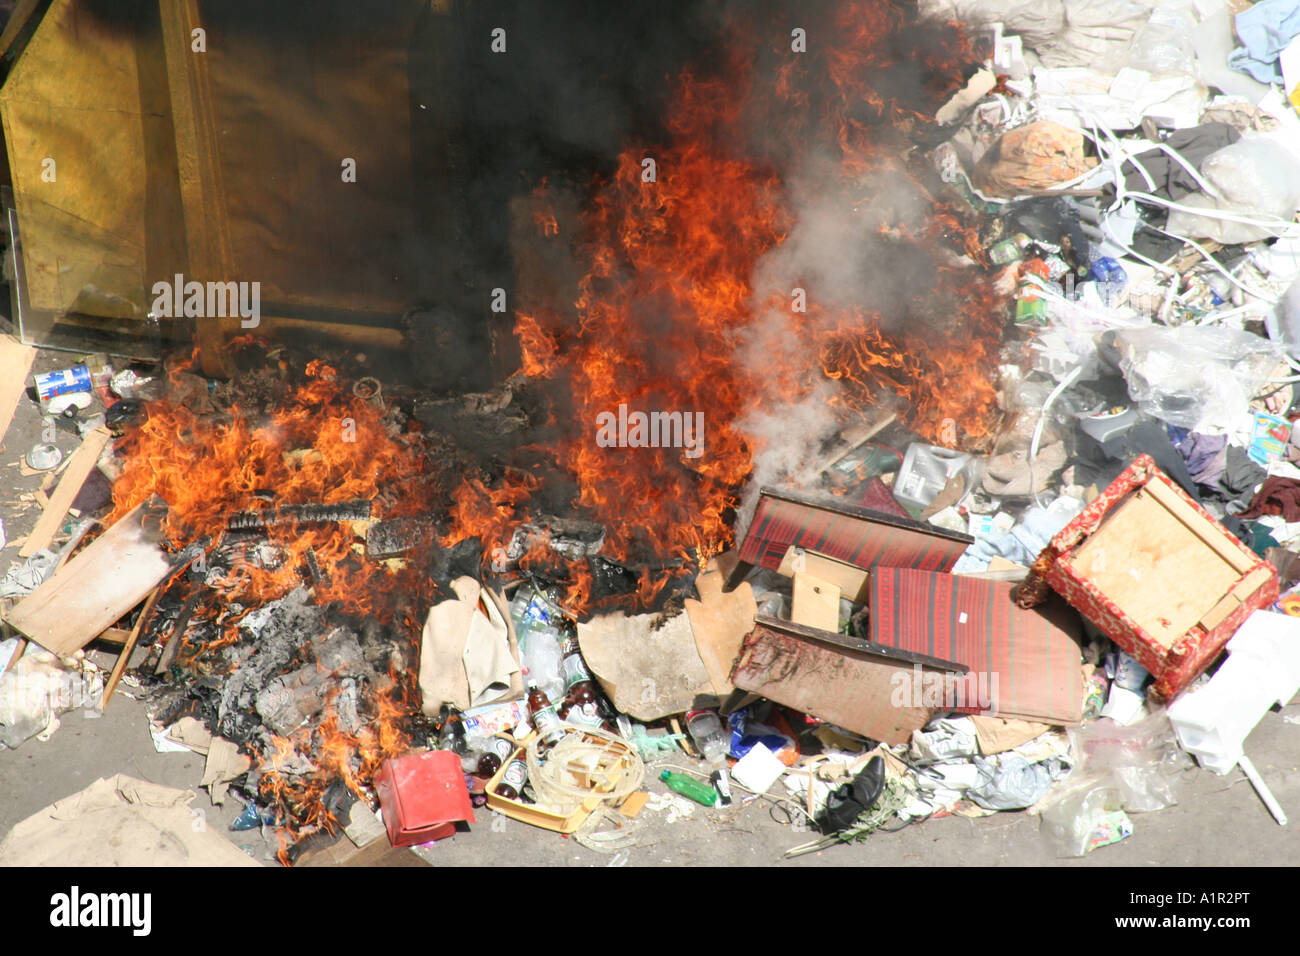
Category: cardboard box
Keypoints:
(861, 686)
(1157, 574)
(423, 797)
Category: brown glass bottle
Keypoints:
(498, 751)
(513, 780)
(545, 720)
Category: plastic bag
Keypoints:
(1097, 33)
(1197, 377)
(1134, 769)
(1288, 319)
(1258, 178)
(1014, 783)
(1035, 21)
(1165, 45)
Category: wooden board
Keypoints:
(93, 590)
(78, 470)
(15, 367)
(1147, 560)
(854, 583)
(816, 603)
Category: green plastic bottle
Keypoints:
(690, 787)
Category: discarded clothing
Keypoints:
(1277, 496)
(1172, 180)
(1010, 474)
(1206, 455)
(1265, 30)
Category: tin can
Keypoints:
(62, 382)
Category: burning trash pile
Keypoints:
(914, 435)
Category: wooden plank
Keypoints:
(816, 603)
(854, 582)
(114, 635)
(1197, 524)
(15, 367)
(79, 467)
(207, 227)
(93, 590)
(145, 613)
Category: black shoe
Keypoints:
(851, 800)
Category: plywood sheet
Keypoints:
(834, 680)
(75, 473)
(94, 589)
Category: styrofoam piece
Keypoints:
(1262, 669)
(758, 769)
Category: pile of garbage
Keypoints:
(1056, 623)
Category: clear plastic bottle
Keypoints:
(540, 642)
(710, 736)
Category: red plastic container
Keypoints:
(423, 796)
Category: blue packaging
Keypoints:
(62, 382)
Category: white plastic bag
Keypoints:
(1259, 178)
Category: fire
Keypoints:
(675, 237)
(319, 444)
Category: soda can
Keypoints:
(62, 382)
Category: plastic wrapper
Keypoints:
(1197, 377)
(1135, 769)
(1257, 178)
(40, 686)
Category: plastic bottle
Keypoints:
(701, 793)
(540, 643)
(545, 720)
(712, 740)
